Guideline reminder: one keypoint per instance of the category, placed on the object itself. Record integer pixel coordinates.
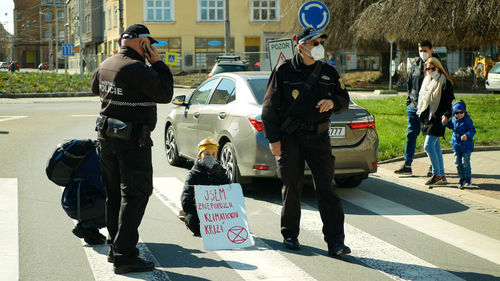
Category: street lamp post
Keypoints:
(227, 34)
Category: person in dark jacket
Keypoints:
(462, 141)
(414, 82)
(129, 90)
(434, 106)
(206, 171)
(296, 116)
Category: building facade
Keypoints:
(6, 47)
(194, 29)
(38, 31)
(92, 31)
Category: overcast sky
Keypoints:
(7, 7)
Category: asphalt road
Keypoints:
(397, 231)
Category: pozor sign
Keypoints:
(223, 220)
(279, 50)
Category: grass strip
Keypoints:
(390, 120)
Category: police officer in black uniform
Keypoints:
(296, 115)
(129, 90)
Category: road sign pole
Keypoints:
(390, 68)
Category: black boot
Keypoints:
(111, 255)
(138, 265)
(338, 249)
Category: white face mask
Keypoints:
(318, 52)
(208, 162)
(434, 75)
(424, 55)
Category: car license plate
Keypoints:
(336, 132)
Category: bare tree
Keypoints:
(454, 23)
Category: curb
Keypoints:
(45, 95)
(477, 198)
(444, 151)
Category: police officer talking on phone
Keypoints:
(301, 94)
(129, 91)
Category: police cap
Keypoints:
(137, 31)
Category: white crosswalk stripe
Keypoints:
(9, 118)
(457, 236)
(9, 235)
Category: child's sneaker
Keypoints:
(441, 180)
(181, 215)
(461, 183)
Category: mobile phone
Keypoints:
(145, 48)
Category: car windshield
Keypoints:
(258, 87)
(230, 68)
(496, 69)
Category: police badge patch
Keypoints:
(342, 85)
(295, 93)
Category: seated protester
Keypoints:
(206, 171)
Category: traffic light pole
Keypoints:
(41, 40)
(57, 35)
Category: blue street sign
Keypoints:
(160, 44)
(214, 43)
(314, 14)
(67, 50)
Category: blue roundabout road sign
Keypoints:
(314, 14)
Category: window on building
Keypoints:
(108, 19)
(264, 10)
(156, 10)
(210, 10)
(207, 50)
(87, 26)
(172, 45)
(115, 16)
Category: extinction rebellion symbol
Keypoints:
(237, 234)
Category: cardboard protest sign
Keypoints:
(223, 219)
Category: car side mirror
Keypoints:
(179, 100)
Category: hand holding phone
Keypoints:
(145, 48)
(150, 53)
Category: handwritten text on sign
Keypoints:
(222, 214)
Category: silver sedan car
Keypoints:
(227, 107)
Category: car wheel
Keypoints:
(228, 162)
(350, 181)
(171, 150)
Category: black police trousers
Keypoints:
(192, 222)
(127, 176)
(316, 150)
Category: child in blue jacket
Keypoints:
(462, 141)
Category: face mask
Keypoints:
(424, 55)
(434, 75)
(208, 162)
(318, 52)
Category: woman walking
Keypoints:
(434, 107)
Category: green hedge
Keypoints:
(43, 82)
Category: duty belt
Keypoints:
(314, 128)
